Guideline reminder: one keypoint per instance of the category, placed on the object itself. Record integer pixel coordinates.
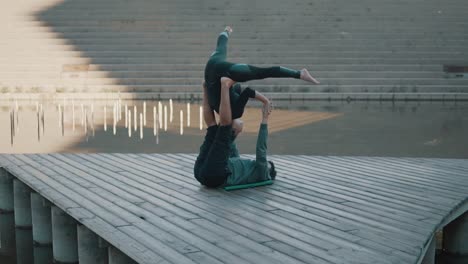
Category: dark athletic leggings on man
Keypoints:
(211, 167)
(218, 67)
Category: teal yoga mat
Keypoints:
(250, 185)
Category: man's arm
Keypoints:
(234, 151)
(208, 114)
(261, 152)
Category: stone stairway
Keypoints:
(351, 46)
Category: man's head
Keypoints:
(237, 126)
(272, 170)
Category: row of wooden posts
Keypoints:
(33, 230)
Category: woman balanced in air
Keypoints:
(217, 67)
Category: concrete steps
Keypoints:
(256, 61)
(197, 68)
(129, 75)
(196, 89)
(272, 82)
(162, 46)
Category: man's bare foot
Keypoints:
(305, 75)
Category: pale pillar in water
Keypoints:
(85, 118)
(141, 126)
(181, 122)
(129, 125)
(201, 117)
(171, 109)
(188, 114)
(144, 113)
(126, 115)
(160, 112)
(105, 118)
(154, 121)
(135, 117)
(165, 118)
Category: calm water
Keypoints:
(426, 129)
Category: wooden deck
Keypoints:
(320, 210)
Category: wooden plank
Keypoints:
(136, 221)
(207, 231)
(426, 179)
(130, 220)
(318, 205)
(371, 172)
(423, 172)
(386, 180)
(364, 197)
(231, 209)
(246, 242)
(102, 228)
(280, 206)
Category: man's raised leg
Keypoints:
(225, 113)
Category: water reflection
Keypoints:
(84, 120)
(306, 127)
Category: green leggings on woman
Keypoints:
(217, 67)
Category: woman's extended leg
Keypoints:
(244, 72)
(220, 53)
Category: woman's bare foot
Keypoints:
(228, 29)
(305, 75)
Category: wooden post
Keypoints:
(41, 220)
(117, 257)
(7, 217)
(23, 222)
(42, 229)
(65, 245)
(456, 239)
(89, 249)
(22, 203)
(429, 258)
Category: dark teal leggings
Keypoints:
(211, 167)
(217, 67)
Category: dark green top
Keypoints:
(247, 170)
